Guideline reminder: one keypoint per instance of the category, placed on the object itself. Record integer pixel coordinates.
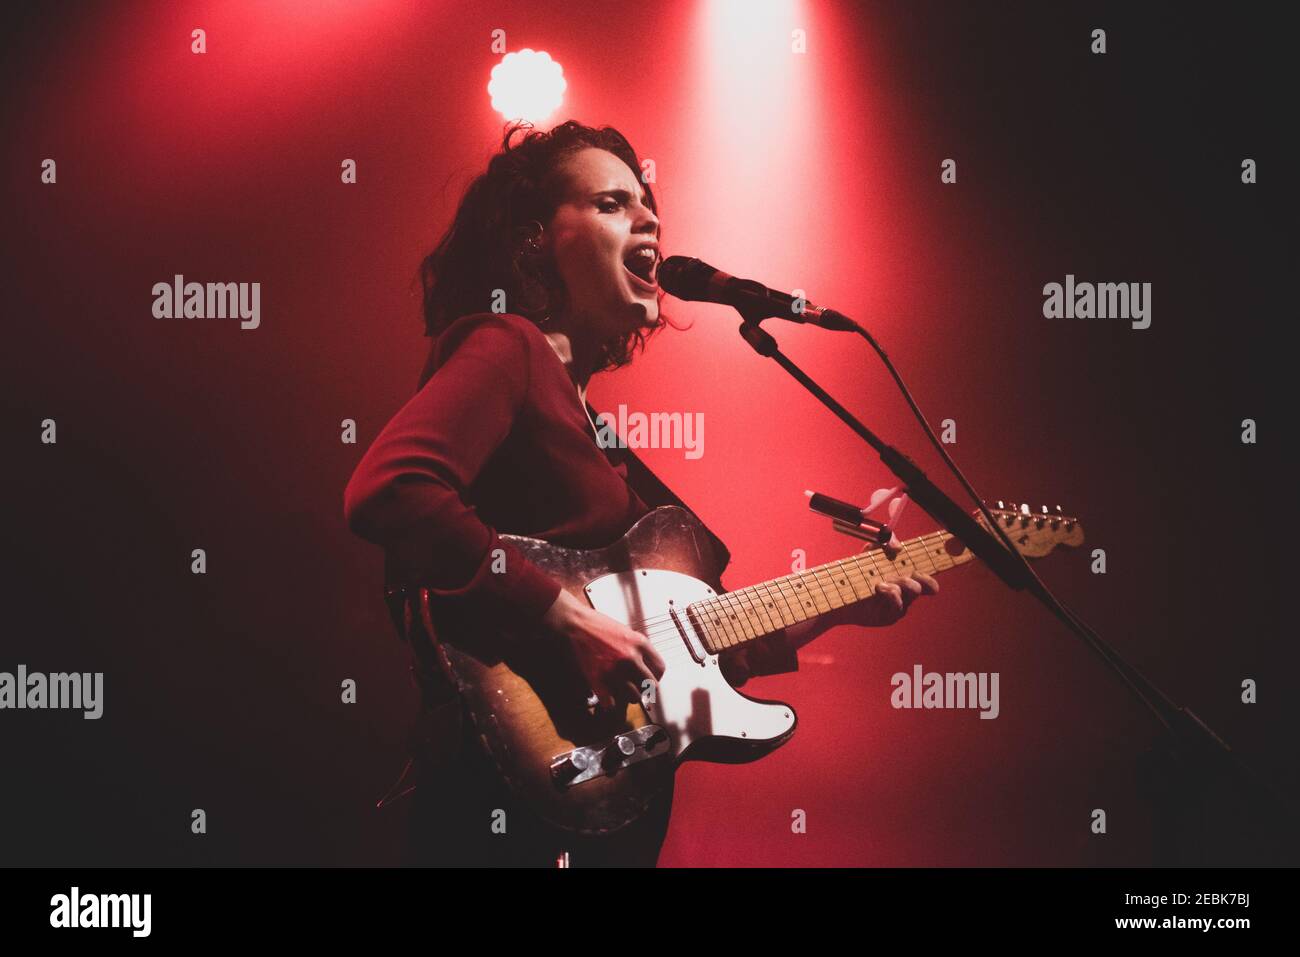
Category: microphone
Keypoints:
(697, 281)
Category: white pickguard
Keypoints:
(692, 701)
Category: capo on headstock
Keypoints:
(851, 519)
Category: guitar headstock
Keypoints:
(1035, 532)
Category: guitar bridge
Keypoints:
(582, 764)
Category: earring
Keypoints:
(535, 242)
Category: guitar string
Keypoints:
(663, 625)
(664, 634)
(825, 570)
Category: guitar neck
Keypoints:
(747, 614)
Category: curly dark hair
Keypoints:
(485, 246)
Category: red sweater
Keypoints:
(499, 425)
(498, 438)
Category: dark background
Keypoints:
(222, 690)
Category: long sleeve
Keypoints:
(409, 492)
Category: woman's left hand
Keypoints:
(892, 598)
(895, 594)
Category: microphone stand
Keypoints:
(1190, 742)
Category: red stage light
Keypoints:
(527, 85)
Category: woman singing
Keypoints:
(546, 276)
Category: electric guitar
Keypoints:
(594, 772)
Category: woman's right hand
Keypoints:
(614, 658)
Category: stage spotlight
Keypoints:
(527, 85)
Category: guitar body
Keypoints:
(595, 773)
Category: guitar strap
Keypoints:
(655, 493)
(436, 735)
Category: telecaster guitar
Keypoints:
(597, 773)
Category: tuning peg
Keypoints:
(1069, 522)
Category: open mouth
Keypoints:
(643, 264)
